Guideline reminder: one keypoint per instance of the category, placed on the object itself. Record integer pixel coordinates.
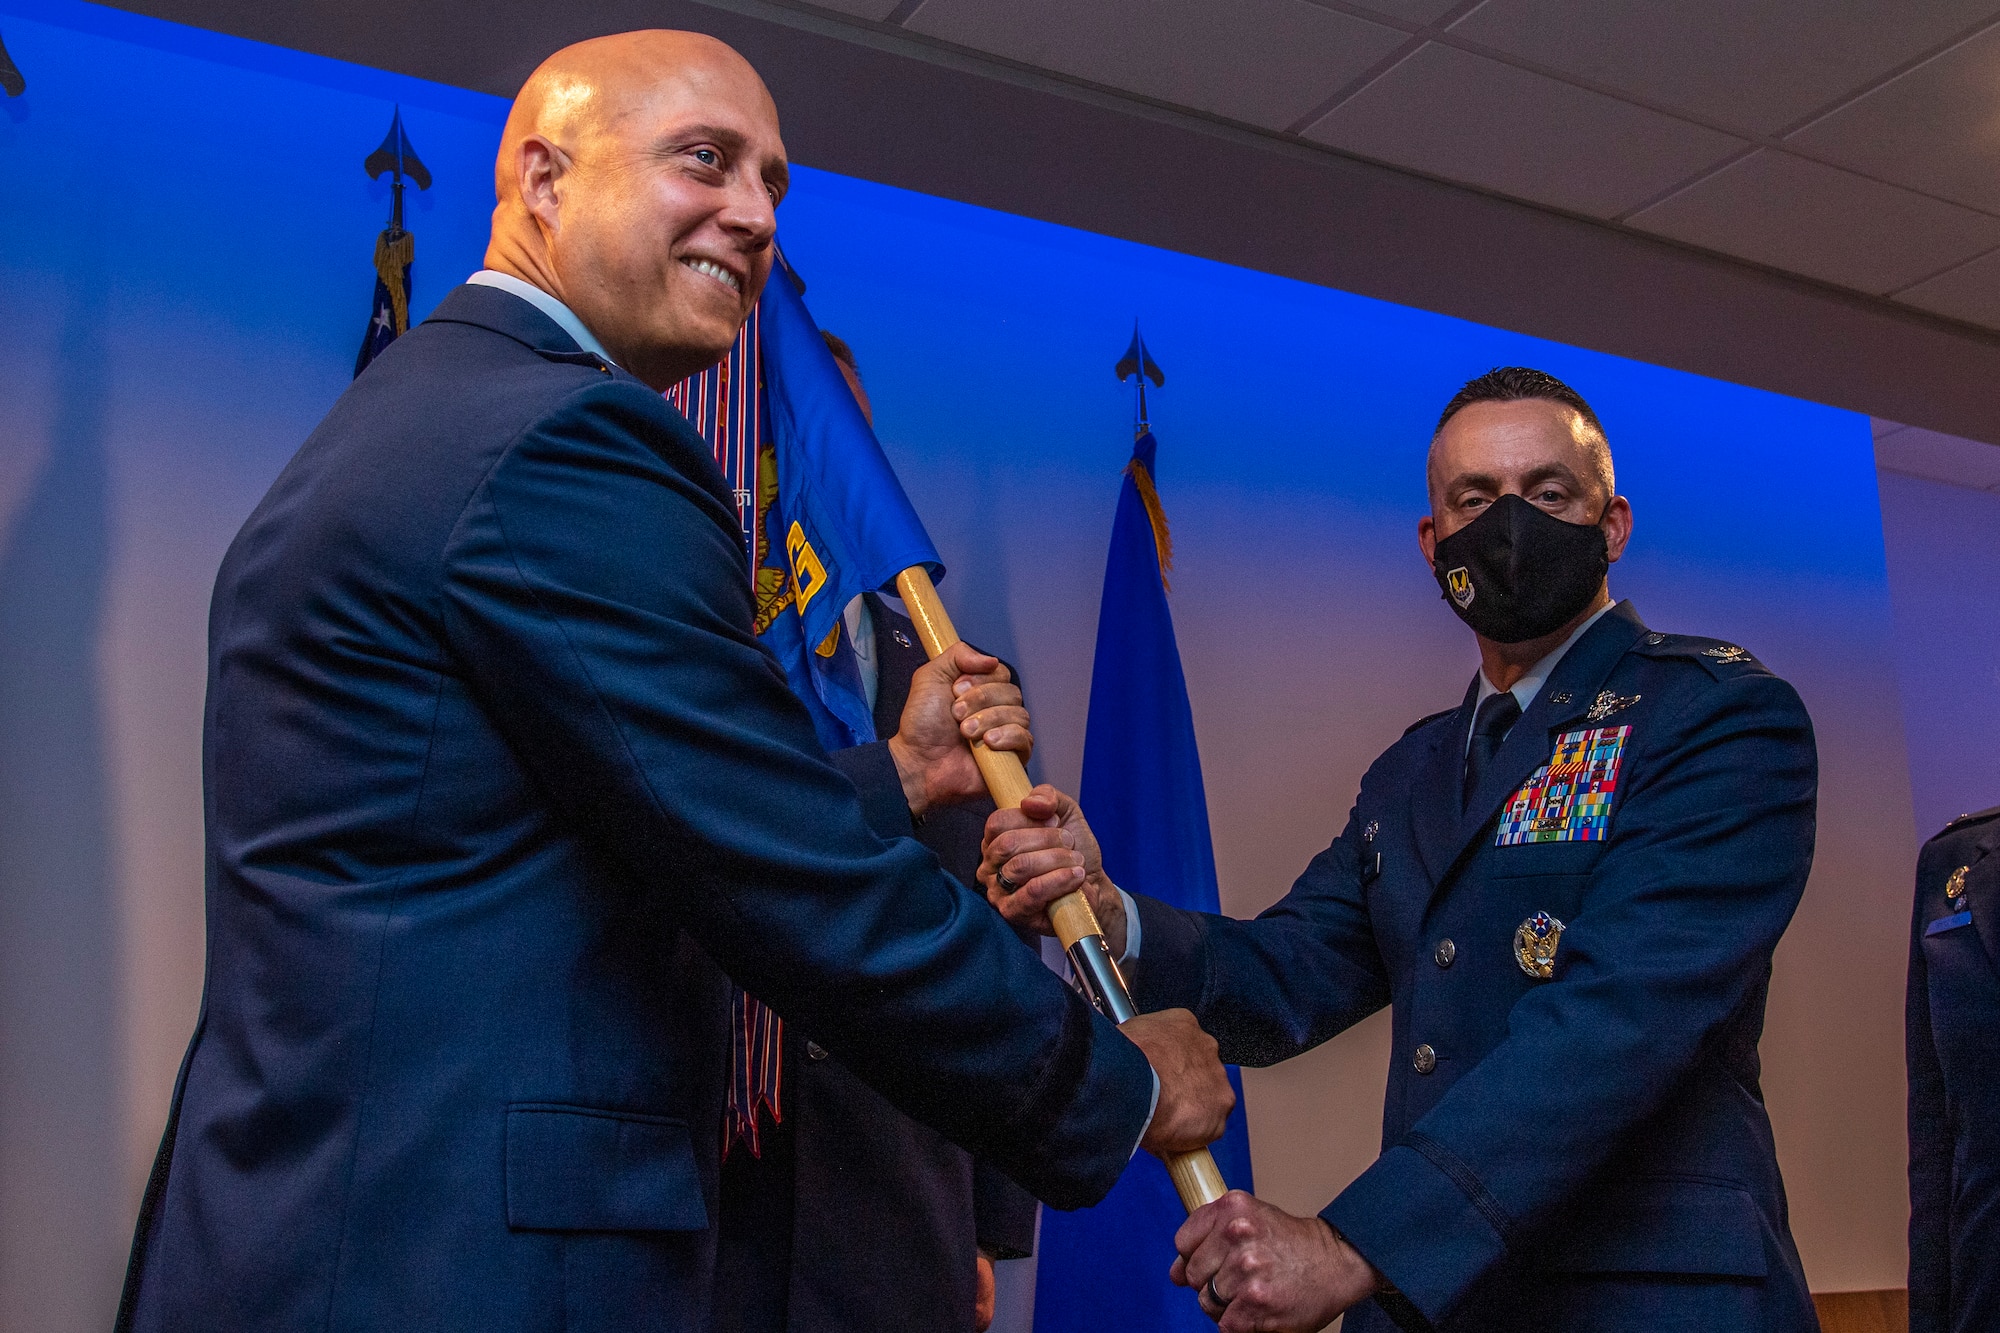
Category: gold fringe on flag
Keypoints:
(1163, 539)
(392, 256)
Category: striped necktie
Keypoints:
(726, 404)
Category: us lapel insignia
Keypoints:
(1561, 697)
(1954, 888)
(901, 637)
(1608, 703)
(1374, 827)
(1726, 654)
(1535, 945)
(1568, 799)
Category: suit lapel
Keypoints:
(1440, 775)
(896, 660)
(1982, 892)
(1566, 697)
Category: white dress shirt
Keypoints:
(1527, 687)
(548, 305)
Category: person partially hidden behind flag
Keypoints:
(840, 1214)
(1567, 889)
(497, 772)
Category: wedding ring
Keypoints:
(1006, 885)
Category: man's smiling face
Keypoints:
(666, 214)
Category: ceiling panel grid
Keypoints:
(1851, 142)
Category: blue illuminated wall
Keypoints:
(185, 248)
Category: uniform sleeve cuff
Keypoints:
(1176, 964)
(872, 770)
(1151, 1111)
(1135, 929)
(1410, 1215)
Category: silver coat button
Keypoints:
(1424, 1060)
(1445, 954)
(814, 1051)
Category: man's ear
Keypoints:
(540, 165)
(1617, 525)
(1427, 538)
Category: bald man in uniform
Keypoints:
(497, 774)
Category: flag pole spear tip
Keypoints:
(398, 158)
(10, 74)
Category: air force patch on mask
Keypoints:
(1568, 799)
(1459, 582)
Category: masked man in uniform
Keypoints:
(1952, 1014)
(1567, 889)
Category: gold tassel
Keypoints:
(1163, 539)
(391, 258)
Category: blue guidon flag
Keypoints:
(824, 520)
(833, 520)
(1105, 1267)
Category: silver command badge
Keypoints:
(1608, 703)
(1535, 945)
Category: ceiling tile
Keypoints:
(1970, 292)
(1759, 65)
(1936, 128)
(1471, 119)
(861, 9)
(1265, 62)
(1947, 458)
(1823, 222)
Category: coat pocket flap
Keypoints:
(1667, 1226)
(575, 1168)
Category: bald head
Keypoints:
(637, 183)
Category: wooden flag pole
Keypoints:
(1195, 1174)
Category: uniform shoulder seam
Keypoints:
(1426, 721)
(1723, 658)
(1967, 821)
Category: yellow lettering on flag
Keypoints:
(808, 574)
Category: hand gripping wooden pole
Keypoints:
(1195, 1173)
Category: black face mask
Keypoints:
(1516, 573)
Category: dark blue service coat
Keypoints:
(1589, 1151)
(494, 767)
(1954, 1061)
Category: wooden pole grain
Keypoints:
(1195, 1174)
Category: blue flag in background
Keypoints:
(834, 521)
(1106, 1267)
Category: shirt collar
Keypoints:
(1527, 687)
(564, 317)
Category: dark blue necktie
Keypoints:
(1496, 716)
